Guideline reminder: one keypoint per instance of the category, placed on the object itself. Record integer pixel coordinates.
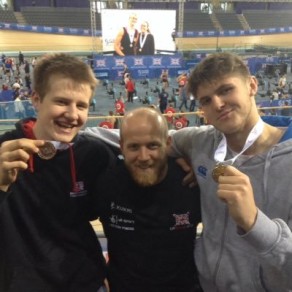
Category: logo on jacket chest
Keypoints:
(121, 217)
(182, 221)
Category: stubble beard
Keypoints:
(150, 177)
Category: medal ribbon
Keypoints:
(142, 40)
(61, 145)
(28, 132)
(221, 150)
(131, 36)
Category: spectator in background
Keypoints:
(193, 103)
(112, 119)
(15, 90)
(18, 80)
(181, 122)
(106, 125)
(184, 97)
(19, 109)
(130, 87)
(147, 98)
(27, 80)
(282, 83)
(120, 106)
(182, 80)
(111, 122)
(163, 100)
(127, 37)
(111, 90)
(145, 42)
(8, 69)
(20, 59)
(26, 67)
(169, 115)
(164, 79)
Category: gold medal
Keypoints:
(47, 151)
(218, 170)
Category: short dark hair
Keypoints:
(61, 64)
(215, 67)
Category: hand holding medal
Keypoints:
(235, 189)
(15, 155)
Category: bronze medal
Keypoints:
(218, 170)
(47, 151)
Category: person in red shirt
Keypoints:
(120, 107)
(181, 122)
(169, 115)
(130, 87)
(106, 125)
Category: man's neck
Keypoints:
(270, 137)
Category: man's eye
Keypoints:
(153, 146)
(133, 147)
(205, 101)
(226, 90)
(61, 102)
(82, 106)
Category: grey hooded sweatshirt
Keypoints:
(228, 259)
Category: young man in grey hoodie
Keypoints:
(242, 166)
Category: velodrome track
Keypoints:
(15, 41)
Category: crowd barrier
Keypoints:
(111, 67)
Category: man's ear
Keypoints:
(253, 85)
(36, 100)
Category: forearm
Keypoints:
(119, 51)
(272, 239)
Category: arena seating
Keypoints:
(258, 19)
(60, 17)
(7, 16)
(228, 20)
(195, 20)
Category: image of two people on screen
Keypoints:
(131, 41)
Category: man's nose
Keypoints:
(72, 112)
(218, 101)
(143, 153)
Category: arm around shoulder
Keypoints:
(109, 136)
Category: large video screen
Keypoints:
(137, 32)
